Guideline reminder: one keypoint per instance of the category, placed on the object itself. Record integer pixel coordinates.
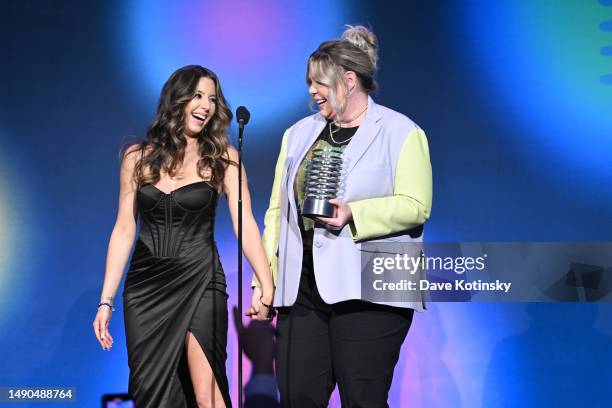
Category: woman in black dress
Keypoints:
(175, 302)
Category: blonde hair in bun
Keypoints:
(364, 39)
(357, 51)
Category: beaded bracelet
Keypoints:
(106, 304)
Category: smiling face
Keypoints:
(327, 86)
(201, 108)
(321, 95)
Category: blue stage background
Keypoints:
(515, 97)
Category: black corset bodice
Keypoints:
(173, 223)
(175, 285)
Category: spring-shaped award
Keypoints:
(323, 182)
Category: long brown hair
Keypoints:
(164, 147)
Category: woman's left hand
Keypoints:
(342, 215)
(258, 311)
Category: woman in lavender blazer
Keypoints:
(330, 331)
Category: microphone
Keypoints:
(242, 115)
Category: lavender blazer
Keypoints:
(388, 185)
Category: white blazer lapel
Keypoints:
(368, 130)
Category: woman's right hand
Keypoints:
(100, 325)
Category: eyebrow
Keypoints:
(201, 92)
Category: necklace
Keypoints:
(331, 135)
(331, 132)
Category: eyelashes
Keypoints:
(212, 99)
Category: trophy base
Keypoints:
(317, 207)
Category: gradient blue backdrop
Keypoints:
(515, 97)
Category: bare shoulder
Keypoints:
(134, 151)
(131, 154)
(232, 153)
(131, 151)
(231, 171)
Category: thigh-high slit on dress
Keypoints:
(175, 284)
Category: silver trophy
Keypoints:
(323, 182)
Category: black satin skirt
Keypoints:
(164, 298)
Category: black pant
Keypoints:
(353, 343)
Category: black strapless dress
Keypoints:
(175, 284)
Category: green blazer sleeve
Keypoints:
(272, 218)
(410, 204)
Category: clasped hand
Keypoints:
(259, 310)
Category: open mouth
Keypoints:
(321, 101)
(201, 118)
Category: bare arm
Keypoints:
(124, 231)
(252, 244)
(119, 246)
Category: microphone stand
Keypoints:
(240, 346)
(243, 115)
